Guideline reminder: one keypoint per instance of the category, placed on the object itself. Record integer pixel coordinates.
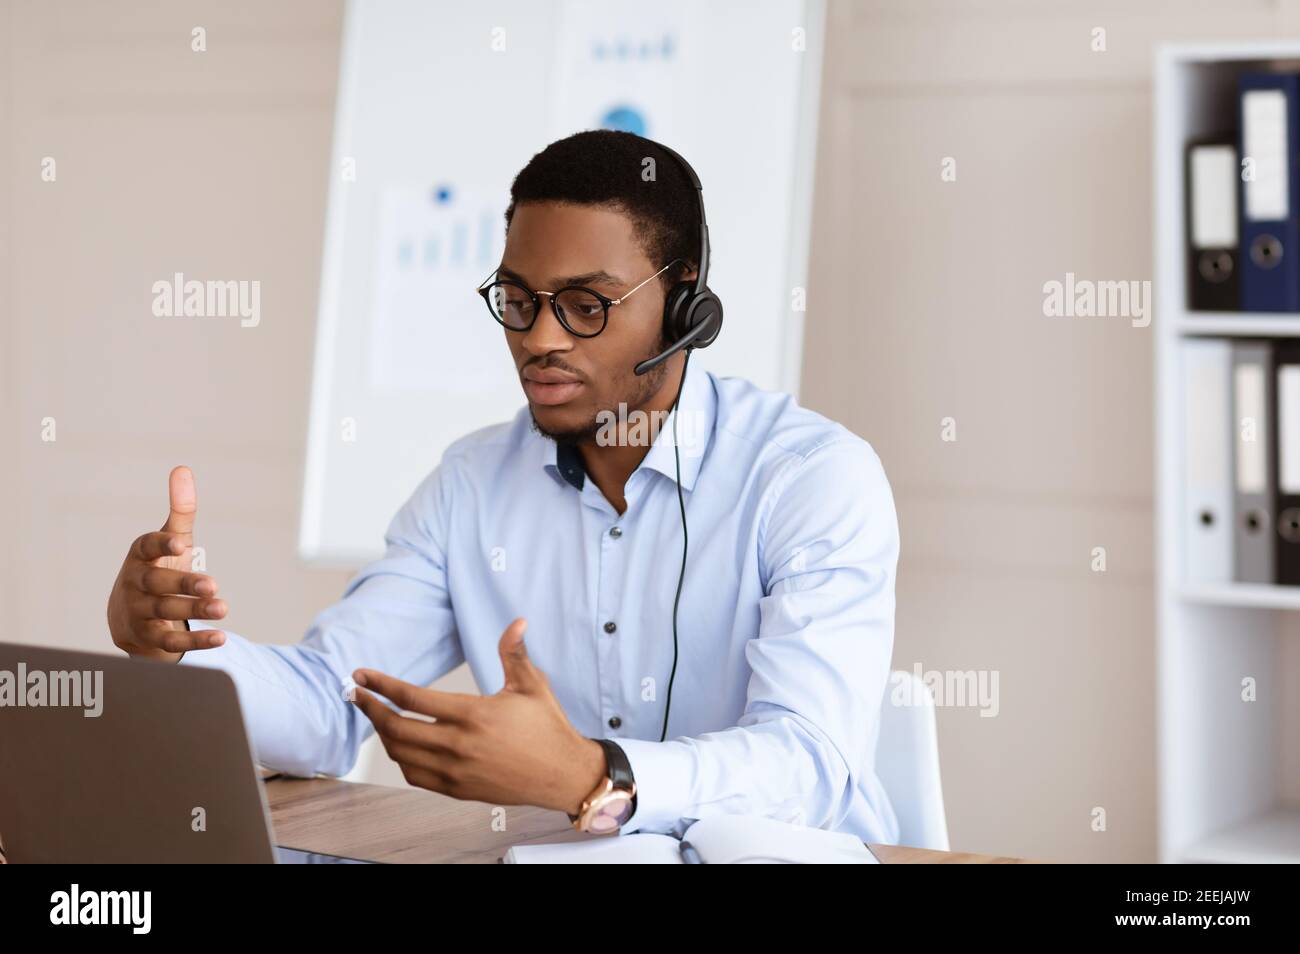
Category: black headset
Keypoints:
(692, 319)
(692, 313)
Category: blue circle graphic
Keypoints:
(624, 119)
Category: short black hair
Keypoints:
(604, 167)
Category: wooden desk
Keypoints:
(383, 823)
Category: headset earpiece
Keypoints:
(704, 309)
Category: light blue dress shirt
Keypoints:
(785, 625)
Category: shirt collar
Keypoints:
(567, 462)
(696, 412)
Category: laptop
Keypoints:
(105, 758)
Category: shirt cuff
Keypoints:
(662, 773)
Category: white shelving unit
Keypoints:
(1220, 785)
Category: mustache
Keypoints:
(542, 365)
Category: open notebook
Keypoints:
(722, 839)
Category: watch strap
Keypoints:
(620, 769)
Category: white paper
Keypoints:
(427, 325)
(618, 69)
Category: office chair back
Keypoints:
(907, 762)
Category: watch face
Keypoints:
(613, 809)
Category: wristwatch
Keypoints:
(613, 801)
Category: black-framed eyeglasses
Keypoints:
(582, 311)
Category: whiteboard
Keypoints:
(407, 359)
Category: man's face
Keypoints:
(549, 245)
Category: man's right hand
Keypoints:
(155, 589)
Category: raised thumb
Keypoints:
(183, 501)
(521, 674)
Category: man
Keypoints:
(786, 605)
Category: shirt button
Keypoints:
(615, 532)
(611, 626)
(615, 722)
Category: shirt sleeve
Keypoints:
(819, 663)
(395, 616)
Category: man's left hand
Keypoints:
(516, 747)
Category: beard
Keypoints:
(647, 385)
